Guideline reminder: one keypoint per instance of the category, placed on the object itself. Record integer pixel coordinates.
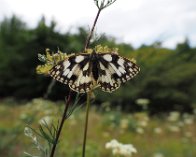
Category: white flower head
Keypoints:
(118, 148)
(143, 123)
(188, 119)
(140, 130)
(174, 128)
(112, 144)
(174, 116)
(157, 130)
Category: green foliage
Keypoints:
(167, 77)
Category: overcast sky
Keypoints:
(131, 21)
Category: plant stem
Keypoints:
(89, 93)
(92, 30)
(86, 123)
(61, 125)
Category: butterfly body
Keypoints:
(85, 71)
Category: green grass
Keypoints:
(150, 135)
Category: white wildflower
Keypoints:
(140, 130)
(157, 130)
(173, 116)
(118, 148)
(112, 144)
(188, 119)
(174, 128)
(143, 123)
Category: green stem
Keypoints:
(86, 123)
(61, 126)
(92, 30)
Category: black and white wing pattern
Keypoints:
(74, 71)
(85, 71)
(114, 70)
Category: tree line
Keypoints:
(167, 77)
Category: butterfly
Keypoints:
(85, 71)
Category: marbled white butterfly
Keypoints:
(85, 71)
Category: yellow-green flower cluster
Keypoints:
(50, 59)
(105, 49)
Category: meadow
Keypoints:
(155, 113)
(165, 135)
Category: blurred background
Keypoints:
(159, 34)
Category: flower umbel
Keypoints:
(49, 59)
(118, 148)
